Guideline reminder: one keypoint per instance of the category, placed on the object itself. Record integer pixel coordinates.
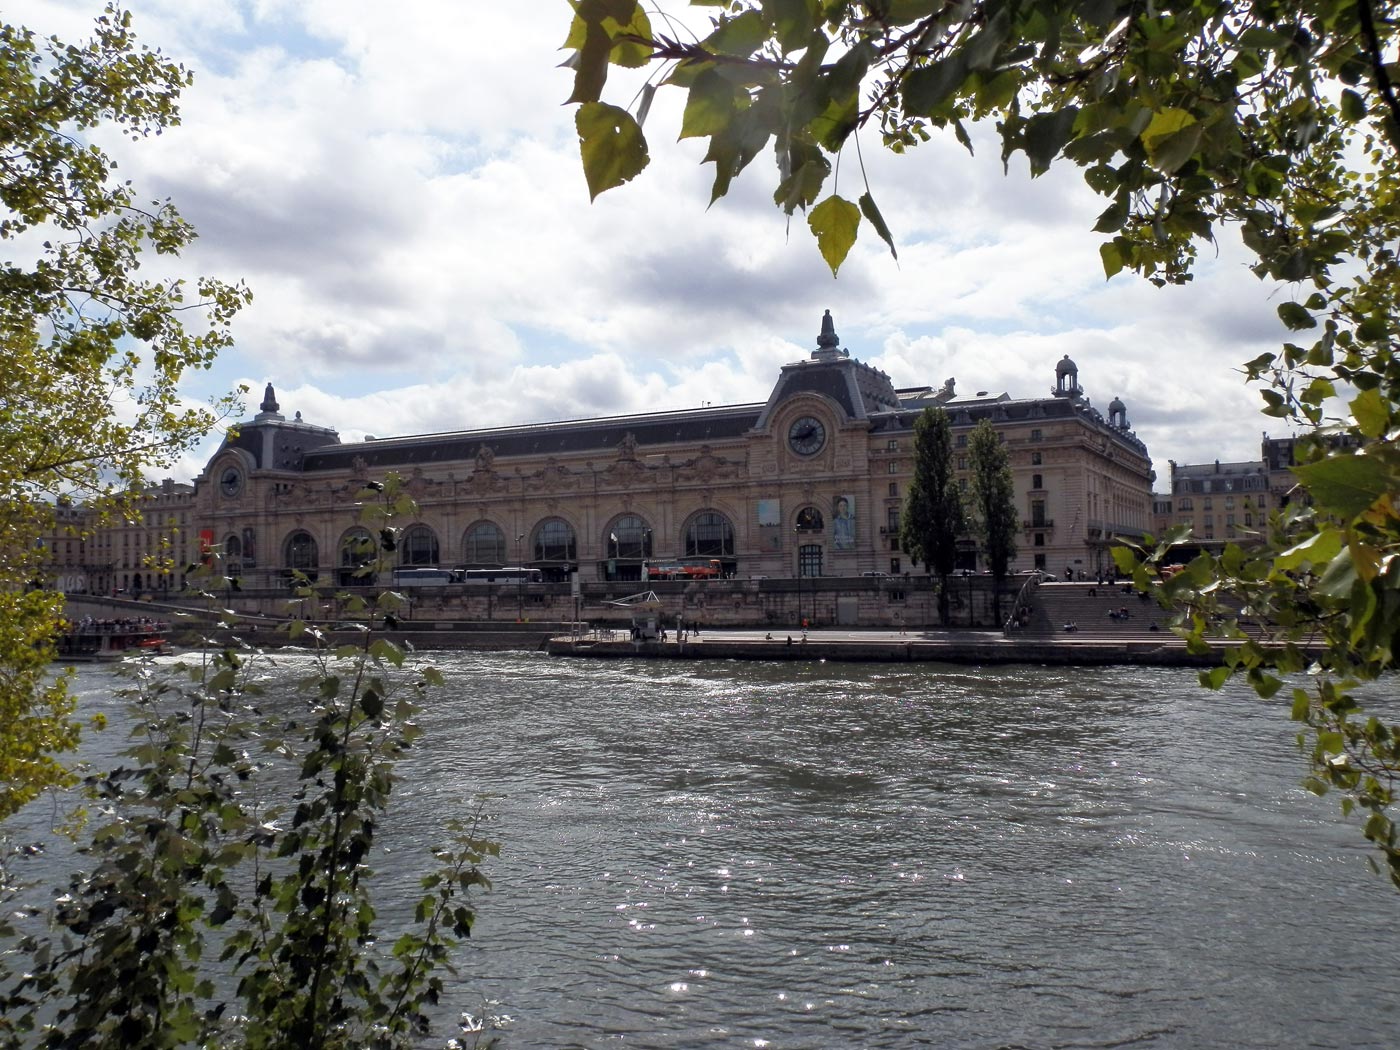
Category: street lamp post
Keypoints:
(797, 550)
(520, 578)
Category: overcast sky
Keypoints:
(400, 186)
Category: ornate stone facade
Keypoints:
(757, 486)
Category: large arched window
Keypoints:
(484, 545)
(357, 549)
(301, 553)
(629, 536)
(709, 535)
(418, 546)
(554, 541)
(809, 519)
(233, 551)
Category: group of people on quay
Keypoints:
(117, 625)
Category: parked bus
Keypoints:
(510, 574)
(425, 577)
(683, 569)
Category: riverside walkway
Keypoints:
(1087, 646)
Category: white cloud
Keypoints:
(404, 196)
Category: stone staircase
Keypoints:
(1087, 605)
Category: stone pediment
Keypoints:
(630, 472)
(420, 486)
(553, 477)
(481, 483)
(708, 467)
(326, 495)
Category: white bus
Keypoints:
(425, 577)
(510, 574)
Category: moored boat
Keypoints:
(97, 640)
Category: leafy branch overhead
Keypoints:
(1183, 115)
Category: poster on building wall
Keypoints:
(843, 523)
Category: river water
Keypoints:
(829, 855)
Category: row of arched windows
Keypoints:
(708, 534)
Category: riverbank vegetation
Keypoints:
(225, 893)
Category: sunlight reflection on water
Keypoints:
(795, 855)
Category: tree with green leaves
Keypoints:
(933, 516)
(994, 518)
(1189, 118)
(94, 351)
(243, 817)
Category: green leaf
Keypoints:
(982, 47)
(709, 105)
(1371, 412)
(1112, 258)
(627, 53)
(902, 11)
(1315, 550)
(872, 213)
(590, 61)
(612, 146)
(1215, 677)
(1125, 559)
(740, 36)
(836, 122)
(1346, 485)
(801, 188)
(843, 80)
(927, 88)
(387, 651)
(1112, 219)
(793, 21)
(1170, 138)
(1296, 316)
(1373, 329)
(1353, 107)
(1046, 134)
(834, 221)
(1170, 152)
(1316, 786)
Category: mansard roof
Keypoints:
(859, 391)
(604, 436)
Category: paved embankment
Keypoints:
(964, 647)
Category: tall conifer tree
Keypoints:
(933, 511)
(993, 505)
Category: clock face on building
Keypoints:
(231, 481)
(806, 436)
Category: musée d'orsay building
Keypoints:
(811, 481)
